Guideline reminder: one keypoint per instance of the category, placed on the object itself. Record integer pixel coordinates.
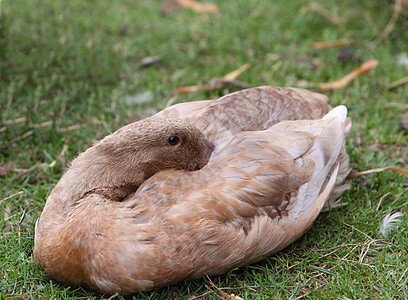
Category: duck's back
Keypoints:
(251, 109)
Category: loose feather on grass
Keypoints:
(389, 222)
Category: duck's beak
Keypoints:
(207, 154)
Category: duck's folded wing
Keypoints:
(324, 152)
(262, 193)
(255, 197)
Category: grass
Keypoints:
(68, 70)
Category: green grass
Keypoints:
(75, 63)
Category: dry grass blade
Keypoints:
(60, 156)
(11, 196)
(29, 170)
(25, 135)
(201, 296)
(363, 264)
(373, 243)
(303, 296)
(43, 124)
(186, 89)
(351, 226)
(70, 128)
(171, 101)
(198, 7)
(216, 82)
(219, 83)
(331, 17)
(328, 44)
(342, 82)
(228, 296)
(43, 165)
(397, 104)
(20, 221)
(398, 82)
(113, 296)
(234, 74)
(391, 24)
(381, 199)
(364, 251)
(404, 120)
(398, 170)
(15, 121)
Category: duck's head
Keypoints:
(159, 143)
(123, 160)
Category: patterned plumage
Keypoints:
(278, 157)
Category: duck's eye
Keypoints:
(173, 140)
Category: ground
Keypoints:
(72, 72)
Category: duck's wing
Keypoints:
(285, 198)
(262, 192)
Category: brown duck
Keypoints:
(199, 188)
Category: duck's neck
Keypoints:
(95, 172)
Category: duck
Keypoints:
(199, 188)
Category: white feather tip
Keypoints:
(339, 112)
